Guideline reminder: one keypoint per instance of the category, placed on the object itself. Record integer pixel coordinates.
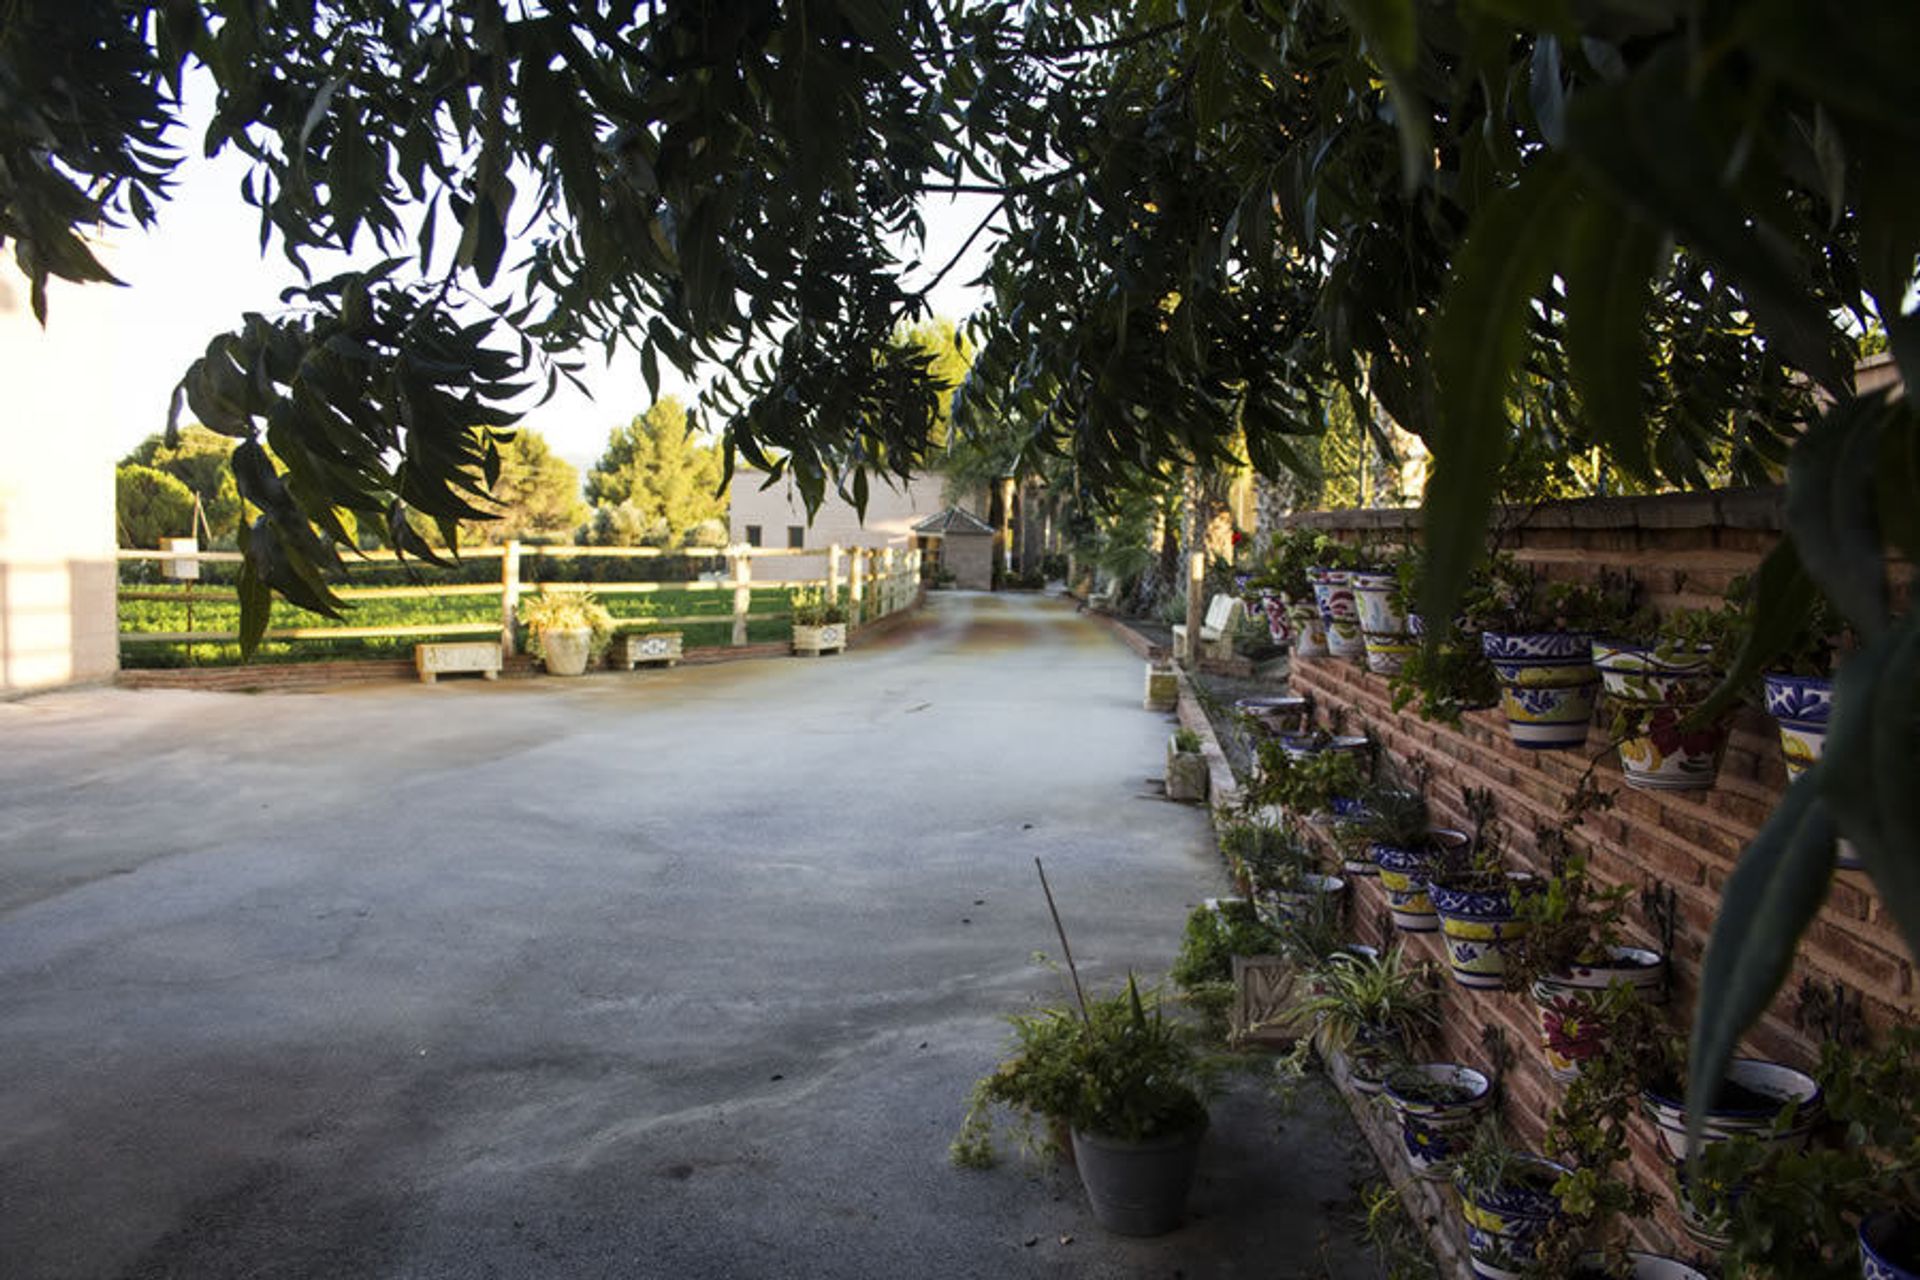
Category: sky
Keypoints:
(193, 275)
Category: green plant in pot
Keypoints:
(1395, 828)
(1265, 856)
(1447, 673)
(566, 629)
(819, 621)
(1654, 679)
(1283, 574)
(1309, 776)
(1374, 1011)
(1507, 1198)
(1571, 952)
(1131, 1088)
(1186, 776)
(1844, 1207)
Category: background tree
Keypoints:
(537, 493)
(150, 505)
(660, 473)
(199, 459)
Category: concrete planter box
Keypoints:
(1186, 774)
(814, 641)
(655, 646)
(448, 657)
(1163, 688)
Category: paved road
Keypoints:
(676, 974)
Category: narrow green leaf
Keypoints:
(1391, 29)
(1773, 893)
(1830, 493)
(1477, 343)
(1867, 771)
(1899, 476)
(256, 598)
(1611, 256)
(1782, 595)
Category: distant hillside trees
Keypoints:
(537, 494)
(150, 505)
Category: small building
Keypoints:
(959, 542)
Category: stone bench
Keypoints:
(631, 650)
(450, 657)
(1224, 613)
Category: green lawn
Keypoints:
(213, 615)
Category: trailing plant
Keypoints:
(1446, 677)
(1395, 815)
(1491, 1164)
(1588, 1132)
(1523, 603)
(816, 607)
(1393, 1238)
(1314, 933)
(1186, 741)
(1304, 782)
(1203, 970)
(556, 609)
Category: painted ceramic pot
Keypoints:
(1404, 874)
(1547, 686)
(1333, 592)
(1478, 922)
(1312, 893)
(1799, 706)
(1890, 1247)
(1504, 1226)
(1655, 695)
(1438, 1104)
(1752, 1098)
(1306, 630)
(1570, 1033)
(1383, 624)
(1369, 1058)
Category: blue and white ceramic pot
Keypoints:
(1478, 920)
(1654, 694)
(1504, 1226)
(1890, 1247)
(1438, 1104)
(1370, 1057)
(1547, 685)
(1752, 1099)
(1404, 873)
(1383, 624)
(1570, 1031)
(1333, 592)
(1279, 713)
(1799, 706)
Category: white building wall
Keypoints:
(891, 514)
(58, 621)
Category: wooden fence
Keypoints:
(874, 582)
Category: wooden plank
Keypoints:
(695, 619)
(315, 633)
(219, 596)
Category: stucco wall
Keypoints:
(891, 514)
(969, 558)
(57, 571)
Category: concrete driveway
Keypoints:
(671, 974)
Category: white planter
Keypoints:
(565, 649)
(815, 641)
(650, 646)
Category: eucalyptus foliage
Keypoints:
(1646, 227)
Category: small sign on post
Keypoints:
(187, 570)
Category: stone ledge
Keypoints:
(1756, 507)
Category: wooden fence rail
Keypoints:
(873, 584)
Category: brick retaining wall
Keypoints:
(1686, 549)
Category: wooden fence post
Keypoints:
(1196, 605)
(509, 594)
(889, 588)
(833, 572)
(740, 567)
(856, 587)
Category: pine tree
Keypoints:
(657, 468)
